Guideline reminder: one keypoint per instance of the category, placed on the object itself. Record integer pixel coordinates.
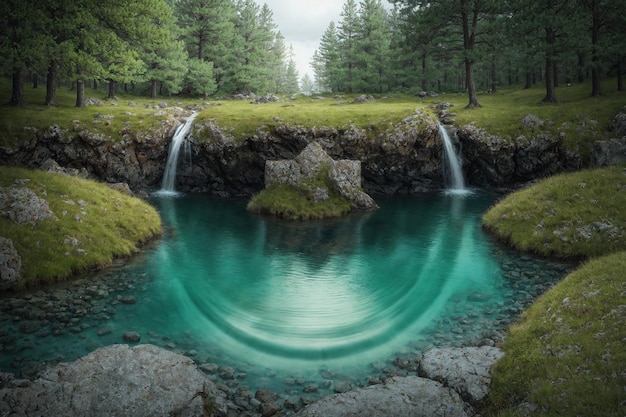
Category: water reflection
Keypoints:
(322, 290)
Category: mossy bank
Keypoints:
(565, 355)
(61, 225)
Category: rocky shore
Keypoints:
(145, 380)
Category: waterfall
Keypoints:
(454, 179)
(169, 176)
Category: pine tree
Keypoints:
(373, 48)
(349, 30)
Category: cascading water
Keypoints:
(455, 181)
(169, 176)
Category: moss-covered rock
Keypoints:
(312, 186)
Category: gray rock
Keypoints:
(344, 175)
(466, 370)
(608, 152)
(399, 396)
(22, 205)
(118, 381)
(532, 121)
(10, 264)
(131, 337)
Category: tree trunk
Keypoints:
(51, 85)
(581, 67)
(471, 86)
(494, 81)
(424, 81)
(153, 89)
(550, 88)
(112, 89)
(529, 80)
(35, 80)
(550, 67)
(17, 92)
(595, 59)
(620, 74)
(80, 93)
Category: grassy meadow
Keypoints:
(579, 118)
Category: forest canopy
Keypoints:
(224, 47)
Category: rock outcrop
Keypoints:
(453, 382)
(491, 161)
(466, 370)
(399, 396)
(10, 264)
(118, 380)
(344, 176)
(608, 152)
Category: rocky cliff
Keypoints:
(403, 159)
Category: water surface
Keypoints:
(276, 300)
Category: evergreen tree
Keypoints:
(199, 79)
(349, 30)
(23, 41)
(327, 61)
(208, 29)
(373, 48)
(306, 85)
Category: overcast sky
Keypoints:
(302, 23)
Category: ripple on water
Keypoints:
(283, 301)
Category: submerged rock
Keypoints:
(117, 381)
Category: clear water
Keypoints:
(279, 300)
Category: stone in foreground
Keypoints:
(116, 380)
(399, 396)
(466, 370)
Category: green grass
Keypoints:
(565, 356)
(106, 225)
(243, 119)
(576, 215)
(578, 117)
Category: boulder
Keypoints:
(118, 380)
(398, 396)
(618, 127)
(344, 176)
(466, 370)
(10, 264)
(608, 152)
(22, 205)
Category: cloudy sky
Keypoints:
(302, 23)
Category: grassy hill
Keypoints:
(91, 225)
(565, 356)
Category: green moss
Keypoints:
(94, 224)
(566, 354)
(578, 215)
(298, 203)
